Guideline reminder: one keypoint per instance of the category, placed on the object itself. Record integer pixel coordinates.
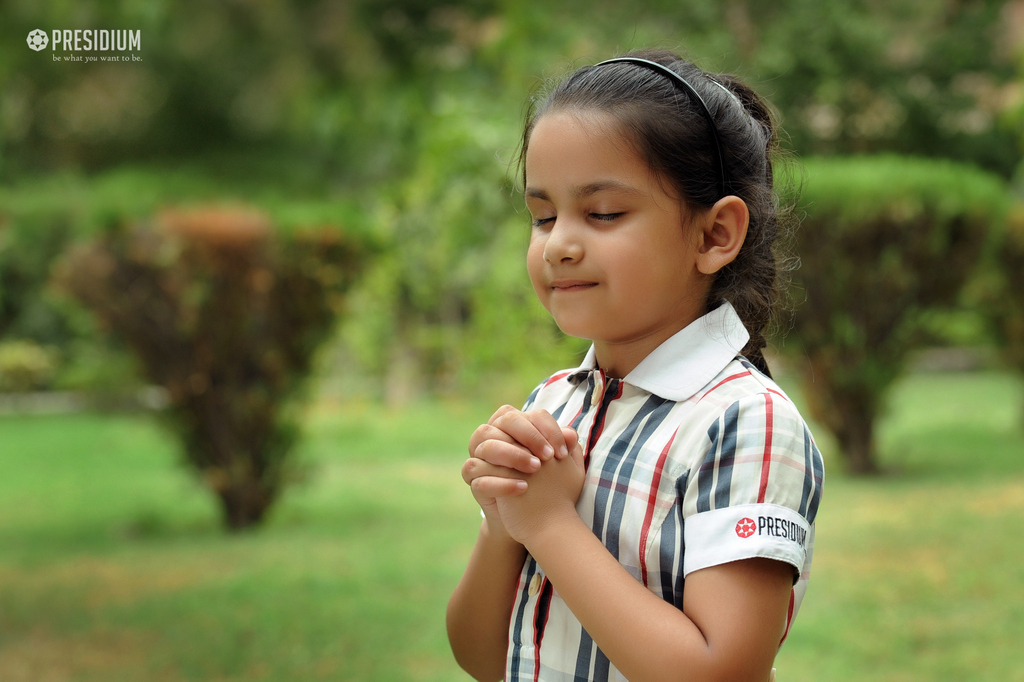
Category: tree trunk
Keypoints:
(244, 504)
(858, 444)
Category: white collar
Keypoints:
(688, 360)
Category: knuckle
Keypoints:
(501, 412)
(504, 417)
(485, 450)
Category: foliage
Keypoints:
(449, 303)
(397, 108)
(1006, 304)
(885, 240)
(226, 318)
(25, 366)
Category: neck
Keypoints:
(619, 358)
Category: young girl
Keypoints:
(649, 515)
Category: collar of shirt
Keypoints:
(688, 360)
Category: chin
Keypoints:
(575, 329)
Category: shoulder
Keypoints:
(737, 381)
(751, 441)
(754, 484)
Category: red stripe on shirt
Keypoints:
(651, 499)
(537, 631)
(725, 381)
(766, 460)
(556, 377)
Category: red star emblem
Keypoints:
(746, 527)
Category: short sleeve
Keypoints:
(755, 490)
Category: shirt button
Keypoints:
(595, 395)
(535, 584)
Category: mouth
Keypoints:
(569, 285)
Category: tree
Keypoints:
(225, 314)
(885, 239)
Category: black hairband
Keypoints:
(680, 81)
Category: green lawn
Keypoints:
(113, 565)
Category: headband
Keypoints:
(681, 82)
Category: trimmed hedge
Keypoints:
(884, 240)
(226, 314)
(41, 218)
(223, 306)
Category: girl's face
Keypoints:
(611, 255)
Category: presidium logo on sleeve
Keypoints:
(773, 526)
(746, 527)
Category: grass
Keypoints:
(113, 565)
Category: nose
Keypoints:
(564, 243)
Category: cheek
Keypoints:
(535, 266)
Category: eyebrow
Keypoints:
(586, 190)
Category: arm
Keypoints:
(481, 605)
(732, 620)
(733, 615)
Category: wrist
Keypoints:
(552, 535)
(493, 532)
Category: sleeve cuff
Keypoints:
(745, 532)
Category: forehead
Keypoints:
(576, 149)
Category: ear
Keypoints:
(723, 230)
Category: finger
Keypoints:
(521, 427)
(495, 486)
(486, 432)
(503, 410)
(510, 455)
(474, 468)
(550, 429)
(572, 439)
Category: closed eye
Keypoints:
(541, 221)
(606, 217)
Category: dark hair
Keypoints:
(669, 131)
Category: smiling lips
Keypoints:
(572, 285)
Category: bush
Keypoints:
(25, 366)
(885, 240)
(225, 314)
(39, 219)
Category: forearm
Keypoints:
(480, 607)
(645, 637)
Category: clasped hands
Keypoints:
(526, 472)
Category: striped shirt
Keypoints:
(694, 459)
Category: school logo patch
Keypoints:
(746, 527)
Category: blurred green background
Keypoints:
(392, 126)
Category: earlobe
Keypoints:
(723, 232)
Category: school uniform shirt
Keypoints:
(694, 459)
